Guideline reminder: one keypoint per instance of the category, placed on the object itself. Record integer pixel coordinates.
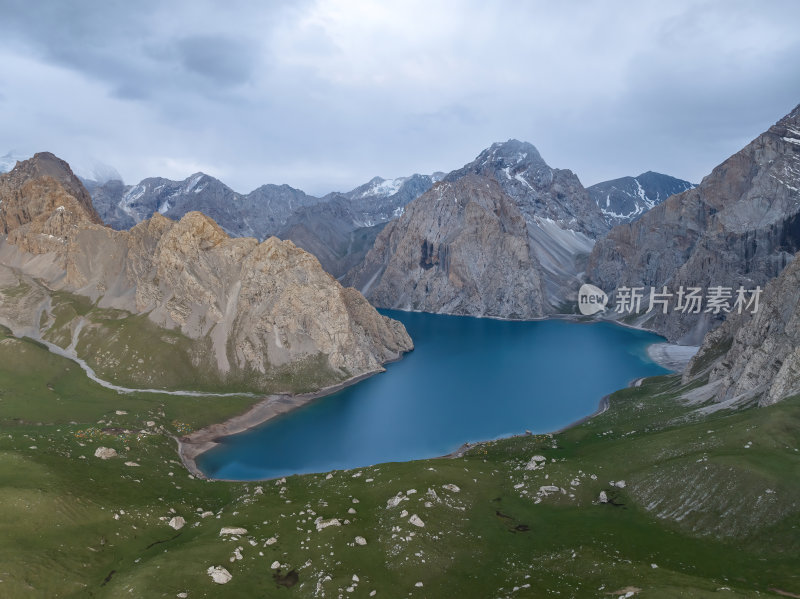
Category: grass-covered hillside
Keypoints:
(701, 504)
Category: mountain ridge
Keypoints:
(245, 312)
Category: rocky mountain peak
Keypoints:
(20, 206)
(502, 158)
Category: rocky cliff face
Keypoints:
(740, 226)
(556, 232)
(626, 199)
(248, 311)
(764, 356)
(461, 248)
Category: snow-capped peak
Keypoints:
(383, 187)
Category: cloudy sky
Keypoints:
(325, 94)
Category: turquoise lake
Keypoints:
(468, 379)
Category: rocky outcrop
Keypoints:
(460, 248)
(247, 310)
(625, 199)
(764, 356)
(740, 226)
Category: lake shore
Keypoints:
(198, 442)
(672, 357)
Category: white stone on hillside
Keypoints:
(105, 453)
(275, 565)
(219, 574)
(131, 464)
(416, 521)
(536, 462)
(451, 487)
(177, 522)
(361, 541)
(603, 497)
(232, 530)
(321, 524)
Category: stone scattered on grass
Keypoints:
(177, 522)
(276, 565)
(603, 497)
(131, 464)
(219, 574)
(451, 487)
(232, 530)
(105, 453)
(321, 524)
(536, 462)
(416, 521)
(361, 541)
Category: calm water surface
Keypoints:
(469, 379)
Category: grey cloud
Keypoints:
(222, 60)
(323, 98)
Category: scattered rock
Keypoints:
(105, 453)
(620, 484)
(232, 530)
(120, 412)
(219, 574)
(536, 462)
(603, 497)
(451, 487)
(177, 522)
(131, 464)
(320, 523)
(361, 541)
(416, 521)
(272, 540)
(276, 565)
(395, 501)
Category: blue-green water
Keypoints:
(468, 379)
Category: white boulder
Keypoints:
(105, 453)
(219, 574)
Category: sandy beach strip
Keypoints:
(200, 441)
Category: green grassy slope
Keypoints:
(710, 506)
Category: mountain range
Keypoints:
(176, 304)
(504, 236)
